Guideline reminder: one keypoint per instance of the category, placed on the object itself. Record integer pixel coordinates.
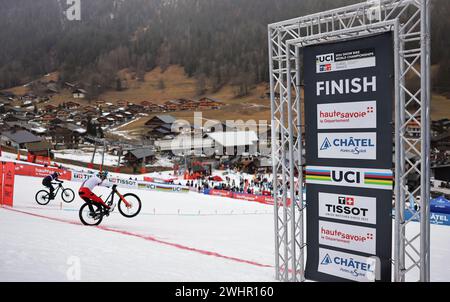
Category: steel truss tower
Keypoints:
(409, 20)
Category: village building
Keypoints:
(66, 135)
(209, 103)
(122, 103)
(63, 114)
(413, 129)
(172, 105)
(160, 126)
(72, 105)
(79, 93)
(42, 148)
(50, 108)
(185, 145)
(139, 156)
(18, 139)
(160, 120)
(189, 105)
(235, 143)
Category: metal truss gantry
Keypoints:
(409, 20)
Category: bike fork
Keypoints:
(127, 204)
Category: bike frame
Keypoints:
(59, 186)
(111, 196)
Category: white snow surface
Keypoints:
(37, 248)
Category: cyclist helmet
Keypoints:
(102, 174)
(56, 174)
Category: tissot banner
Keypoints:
(349, 153)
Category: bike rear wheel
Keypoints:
(67, 195)
(42, 197)
(134, 208)
(91, 214)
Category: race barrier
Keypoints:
(41, 160)
(134, 184)
(9, 169)
(439, 211)
(38, 171)
(243, 196)
(7, 176)
(159, 180)
(1, 183)
(435, 218)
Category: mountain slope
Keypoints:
(222, 41)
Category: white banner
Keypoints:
(347, 145)
(354, 115)
(347, 266)
(349, 237)
(345, 61)
(348, 207)
(133, 184)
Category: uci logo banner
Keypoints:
(350, 177)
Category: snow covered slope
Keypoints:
(177, 237)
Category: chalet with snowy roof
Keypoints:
(79, 93)
(234, 142)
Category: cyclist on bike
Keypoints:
(47, 182)
(88, 185)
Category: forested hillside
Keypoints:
(216, 41)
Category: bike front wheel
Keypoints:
(68, 195)
(91, 214)
(42, 197)
(134, 207)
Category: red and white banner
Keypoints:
(160, 180)
(8, 183)
(221, 193)
(41, 160)
(242, 196)
(257, 198)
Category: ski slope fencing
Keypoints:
(133, 184)
(76, 176)
(269, 200)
